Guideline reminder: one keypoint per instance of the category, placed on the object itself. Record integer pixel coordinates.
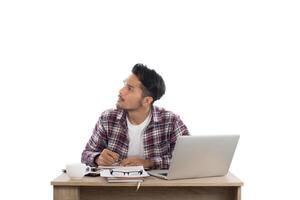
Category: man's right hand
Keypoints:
(107, 157)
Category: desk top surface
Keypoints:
(228, 180)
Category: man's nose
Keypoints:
(121, 91)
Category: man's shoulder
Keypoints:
(169, 118)
(163, 114)
(112, 114)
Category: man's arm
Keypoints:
(179, 129)
(96, 144)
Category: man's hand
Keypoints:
(107, 157)
(134, 161)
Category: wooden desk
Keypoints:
(226, 188)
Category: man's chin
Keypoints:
(119, 106)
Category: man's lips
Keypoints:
(120, 99)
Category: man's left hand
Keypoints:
(134, 161)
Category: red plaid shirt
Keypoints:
(159, 137)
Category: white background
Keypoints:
(229, 67)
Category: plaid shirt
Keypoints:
(159, 138)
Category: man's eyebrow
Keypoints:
(132, 86)
(129, 85)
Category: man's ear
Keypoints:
(147, 100)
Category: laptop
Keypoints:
(200, 156)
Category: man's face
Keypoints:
(130, 96)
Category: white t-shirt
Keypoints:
(135, 133)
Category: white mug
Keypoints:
(77, 170)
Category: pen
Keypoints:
(138, 185)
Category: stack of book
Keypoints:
(124, 180)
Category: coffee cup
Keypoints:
(77, 170)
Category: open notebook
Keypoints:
(124, 174)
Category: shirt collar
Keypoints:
(121, 115)
(155, 114)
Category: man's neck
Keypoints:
(138, 116)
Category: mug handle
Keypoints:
(88, 170)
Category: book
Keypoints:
(124, 180)
(118, 174)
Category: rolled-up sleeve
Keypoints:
(95, 145)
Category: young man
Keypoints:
(136, 133)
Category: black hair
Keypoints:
(152, 83)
